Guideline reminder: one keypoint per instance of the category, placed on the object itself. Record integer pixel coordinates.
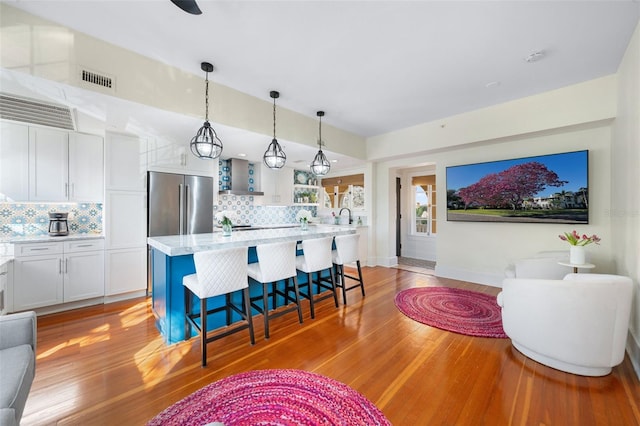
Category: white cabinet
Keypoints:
(52, 273)
(125, 219)
(126, 160)
(86, 168)
(14, 162)
(126, 271)
(277, 186)
(83, 270)
(175, 157)
(48, 164)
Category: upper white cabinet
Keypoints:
(277, 186)
(14, 162)
(86, 167)
(48, 165)
(168, 156)
(126, 159)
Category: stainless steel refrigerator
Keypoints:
(177, 205)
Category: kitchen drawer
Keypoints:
(36, 249)
(83, 245)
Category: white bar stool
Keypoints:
(347, 252)
(316, 258)
(276, 262)
(218, 272)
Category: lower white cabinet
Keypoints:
(126, 270)
(48, 274)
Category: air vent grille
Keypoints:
(95, 78)
(35, 112)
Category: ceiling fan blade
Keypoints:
(188, 6)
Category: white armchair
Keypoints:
(578, 324)
(543, 265)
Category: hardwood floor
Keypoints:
(107, 365)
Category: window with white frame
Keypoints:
(424, 196)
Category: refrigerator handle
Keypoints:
(187, 202)
(181, 208)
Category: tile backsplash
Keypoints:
(27, 219)
(32, 219)
(248, 214)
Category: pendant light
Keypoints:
(206, 144)
(320, 165)
(274, 157)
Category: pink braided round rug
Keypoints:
(453, 309)
(273, 397)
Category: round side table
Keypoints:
(575, 266)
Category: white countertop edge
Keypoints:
(50, 239)
(179, 245)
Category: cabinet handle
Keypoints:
(39, 249)
(73, 190)
(66, 189)
(84, 245)
(3, 273)
(60, 266)
(66, 264)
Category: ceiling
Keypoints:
(373, 66)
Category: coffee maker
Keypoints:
(58, 225)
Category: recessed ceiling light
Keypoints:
(492, 84)
(242, 154)
(535, 56)
(334, 161)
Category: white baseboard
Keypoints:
(387, 262)
(633, 349)
(124, 296)
(493, 280)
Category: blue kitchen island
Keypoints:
(172, 259)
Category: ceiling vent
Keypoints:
(35, 112)
(96, 80)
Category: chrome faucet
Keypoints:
(349, 211)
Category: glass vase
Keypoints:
(226, 229)
(304, 225)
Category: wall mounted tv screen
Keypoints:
(544, 189)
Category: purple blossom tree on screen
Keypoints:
(510, 187)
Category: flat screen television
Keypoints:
(551, 188)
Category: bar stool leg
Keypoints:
(344, 284)
(360, 277)
(203, 330)
(246, 301)
(333, 285)
(265, 304)
(310, 281)
(295, 288)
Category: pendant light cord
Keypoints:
(274, 117)
(206, 97)
(320, 133)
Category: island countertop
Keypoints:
(178, 245)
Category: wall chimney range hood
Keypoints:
(239, 178)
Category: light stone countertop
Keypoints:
(49, 239)
(178, 245)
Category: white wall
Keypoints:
(478, 252)
(625, 209)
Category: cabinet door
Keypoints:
(175, 157)
(48, 164)
(126, 163)
(38, 281)
(14, 162)
(277, 186)
(125, 270)
(126, 219)
(86, 168)
(83, 275)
